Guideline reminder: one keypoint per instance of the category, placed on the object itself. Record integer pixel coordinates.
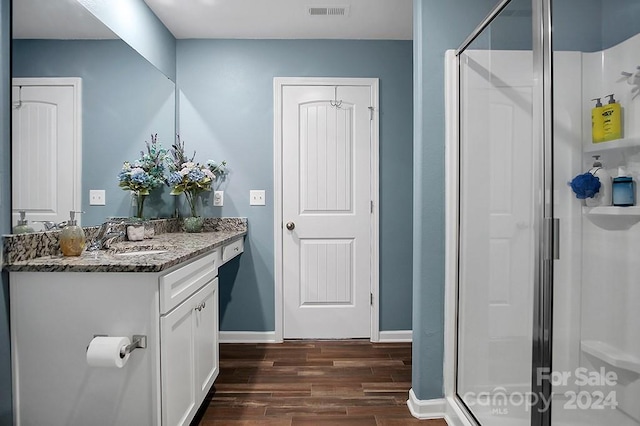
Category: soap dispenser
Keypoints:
(603, 197)
(597, 122)
(23, 225)
(612, 120)
(72, 238)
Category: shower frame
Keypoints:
(547, 227)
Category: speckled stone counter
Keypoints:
(173, 248)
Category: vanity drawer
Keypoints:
(177, 286)
(233, 249)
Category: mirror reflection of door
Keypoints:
(46, 148)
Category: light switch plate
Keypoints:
(257, 197)
(218, 198)
(97, 197)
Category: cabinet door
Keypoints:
(206, 339)
(177, 352)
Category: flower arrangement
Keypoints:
(188, 177)
(145, 174)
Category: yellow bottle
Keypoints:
(597, 122)
(72, 238)
(612, 120)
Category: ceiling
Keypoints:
(252, 19)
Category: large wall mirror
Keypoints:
(123, 101)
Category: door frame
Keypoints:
(278, 84)
(76, 161)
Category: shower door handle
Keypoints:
(555, 235)
(552, 238)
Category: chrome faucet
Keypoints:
(51, 226)
(105, 235)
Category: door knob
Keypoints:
(291, 226)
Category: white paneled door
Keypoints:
(46, 141)
(326, 211)
(497, 207)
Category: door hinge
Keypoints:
(370, 113)
(371, 206)
(371, 298)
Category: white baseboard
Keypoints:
(441, 408)
(396, 336)
(428, 409)
(248, 337)
(270, 336)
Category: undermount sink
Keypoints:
(139, 253)
(128, 249)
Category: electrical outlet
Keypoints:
(97, 197)
(218, 198)
(257, 197)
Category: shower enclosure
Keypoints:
(546, 285)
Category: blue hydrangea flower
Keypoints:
(585, 185)
(174, 178)
(140, 178)
(196, 175)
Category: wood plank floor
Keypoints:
(352, 382)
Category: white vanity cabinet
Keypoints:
(189, 348)
(55, 315)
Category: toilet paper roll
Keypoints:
(104, 351)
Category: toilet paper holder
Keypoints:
(138, 341)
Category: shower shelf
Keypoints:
(613, 217)
(611, 355)
(611, 145)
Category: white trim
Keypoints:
(396, 336)
(451, 219)
(455, 415)
(426, 409)
(76, 83)
(278, 83)
(247, 337)
(441, 408)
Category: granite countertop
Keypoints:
(175, 247)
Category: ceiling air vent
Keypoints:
(337, 11)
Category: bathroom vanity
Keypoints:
(166, 290)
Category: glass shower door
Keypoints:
(498, 206)
(596, 343)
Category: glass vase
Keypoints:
(137, 205)
(193, 223)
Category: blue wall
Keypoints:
(226, 113)
(620, 20)
(593, 25)
(577, 25)
(124, 100)
(148, 35)
(5, 209)
(438, 26)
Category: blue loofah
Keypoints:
(585, 185)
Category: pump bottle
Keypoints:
(612, 120)
(603, 197)
(22, 226)
(72, 238)
(597, 127)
